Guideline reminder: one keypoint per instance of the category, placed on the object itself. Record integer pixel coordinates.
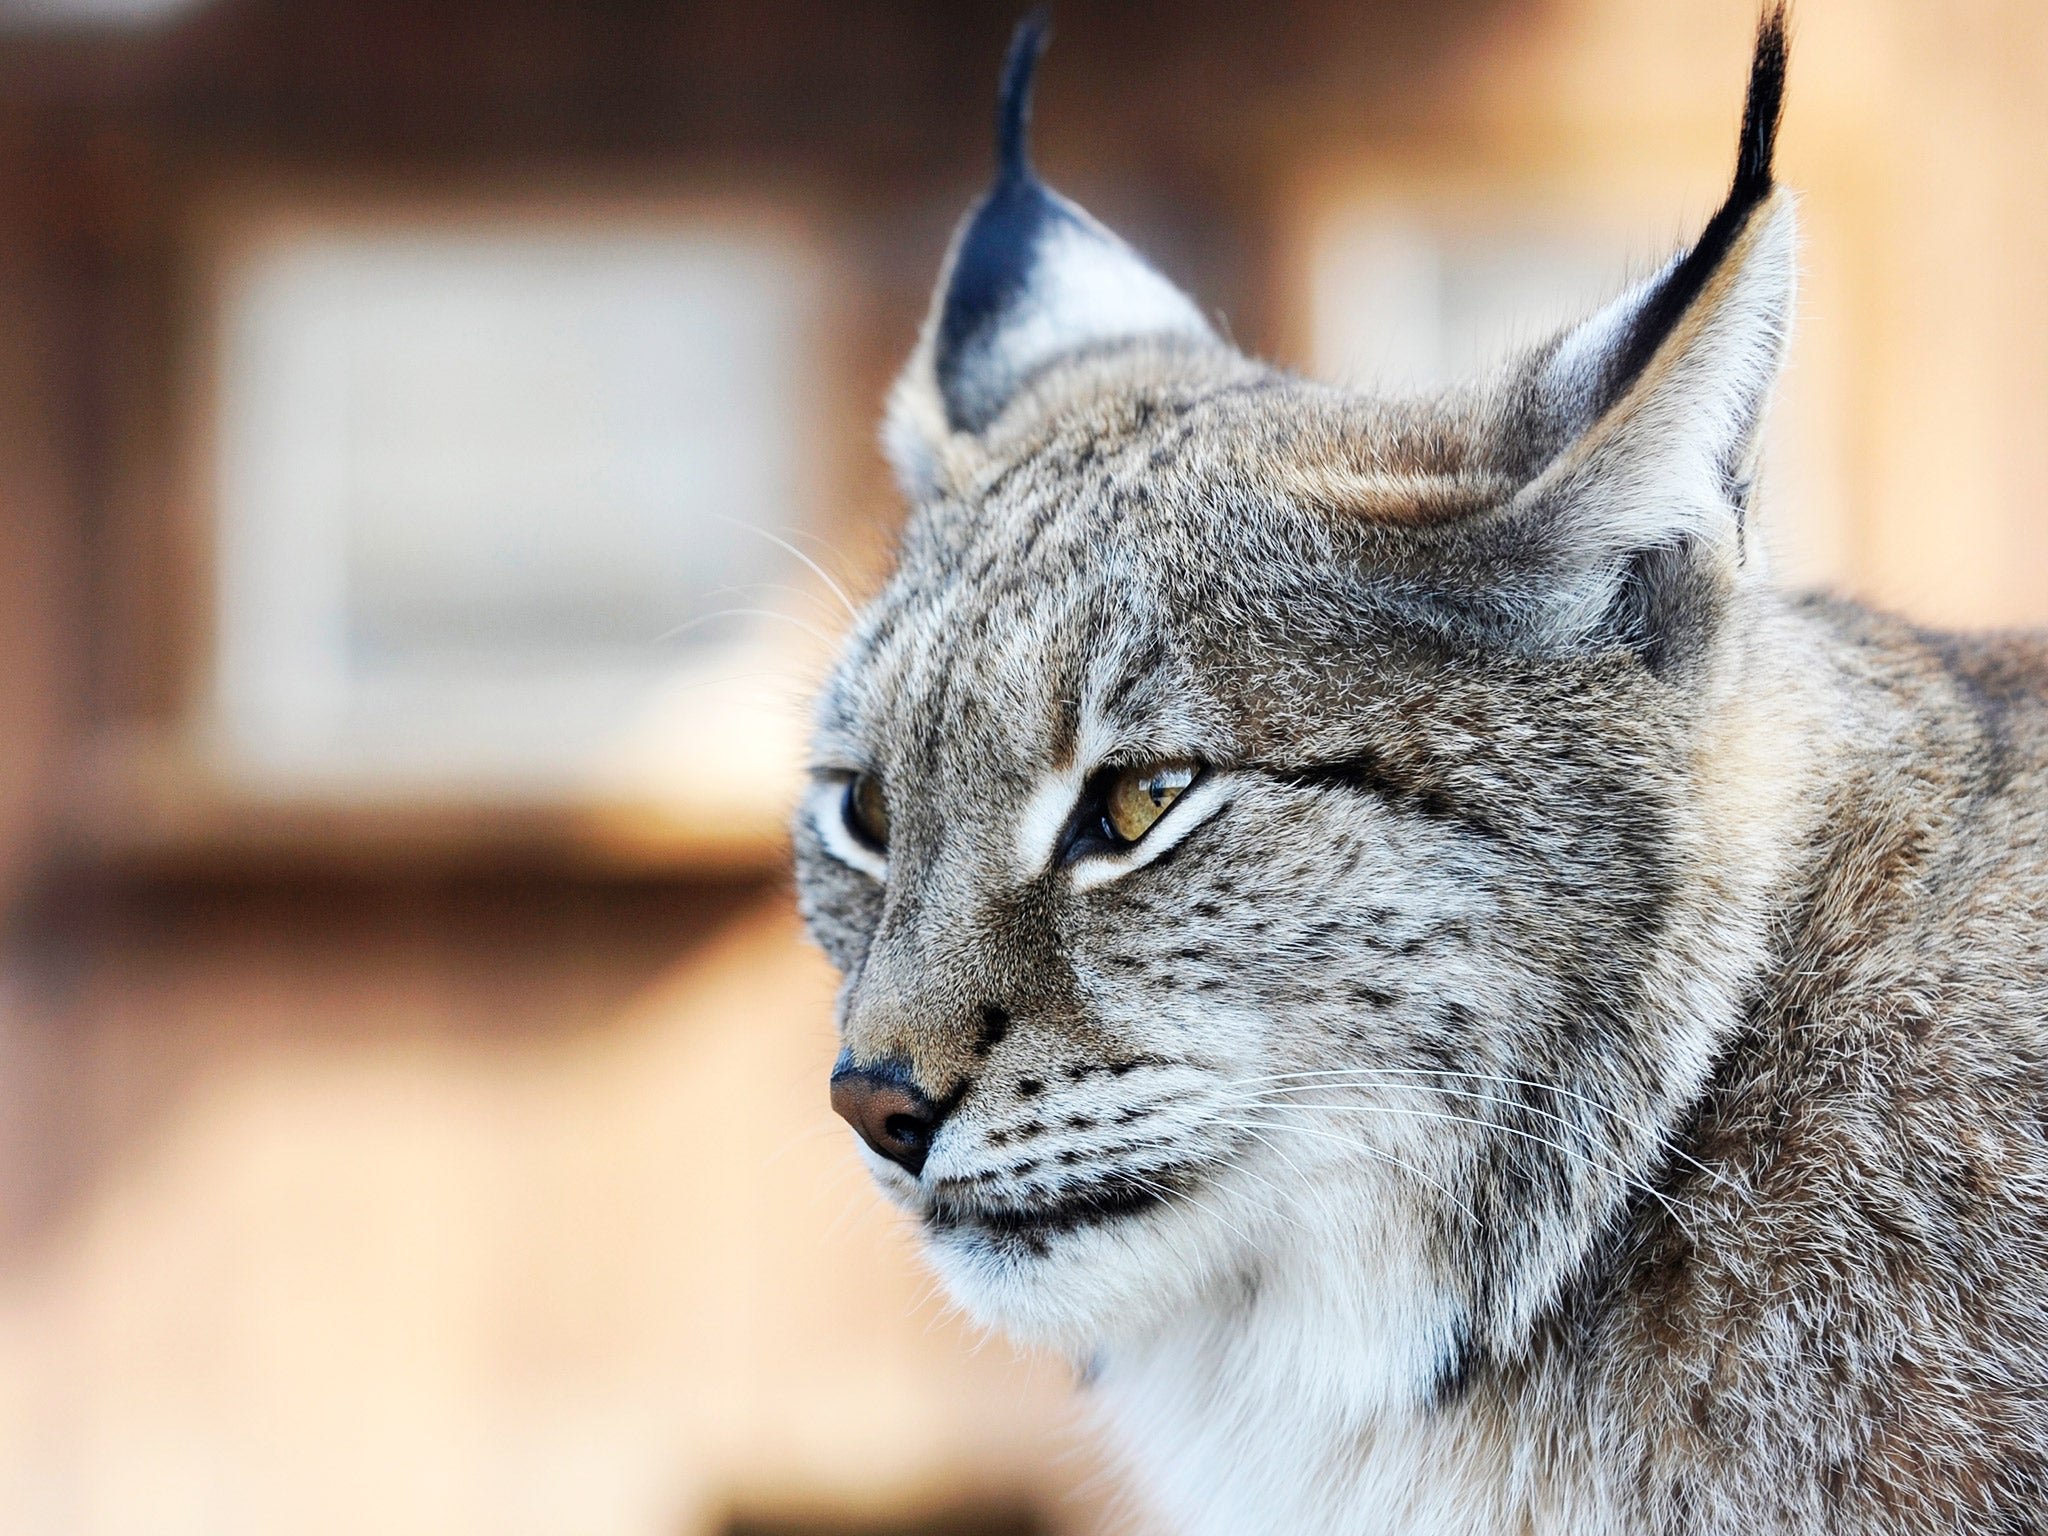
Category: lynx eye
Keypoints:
(866, 811)
(1136, 798)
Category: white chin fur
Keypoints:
(1101, 1285)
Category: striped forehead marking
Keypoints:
(1050, 803)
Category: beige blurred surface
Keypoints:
(391, 1236)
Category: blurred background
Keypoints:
(426, 427)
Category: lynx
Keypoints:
(1374, 928)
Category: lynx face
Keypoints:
(1261, 826)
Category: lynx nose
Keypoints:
(887, 1108)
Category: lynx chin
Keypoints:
(1372, 926)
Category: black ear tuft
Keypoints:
(1013, 107)
(1683, 282)
(1762, 110)
(998, 248)
(1031, 279)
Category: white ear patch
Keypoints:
(825, 805)
(1575, 371)
(1085, 288)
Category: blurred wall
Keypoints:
(474, 1183)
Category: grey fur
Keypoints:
(1581, 1067)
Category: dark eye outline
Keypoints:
(1089, 831)
(856, 822)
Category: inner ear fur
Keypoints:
(1638, 511)
(1660, 482)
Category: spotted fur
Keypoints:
(1575, 1060)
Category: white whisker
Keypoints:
(1356, 1145)
(816, 569)
(1379, 1077)
(743, 613)
(1612, 1165)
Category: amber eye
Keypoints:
(866, 810)
(1138, 797)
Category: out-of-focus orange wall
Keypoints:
(480, 1211)
(488, 1186)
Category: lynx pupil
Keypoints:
(1138, 797)
(866, 810)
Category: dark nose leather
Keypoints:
(892, 1115)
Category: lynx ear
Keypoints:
(1647, 415)
(1030, 278)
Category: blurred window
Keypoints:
(483, 487)
(1411, 298)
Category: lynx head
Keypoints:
(1263, 825)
